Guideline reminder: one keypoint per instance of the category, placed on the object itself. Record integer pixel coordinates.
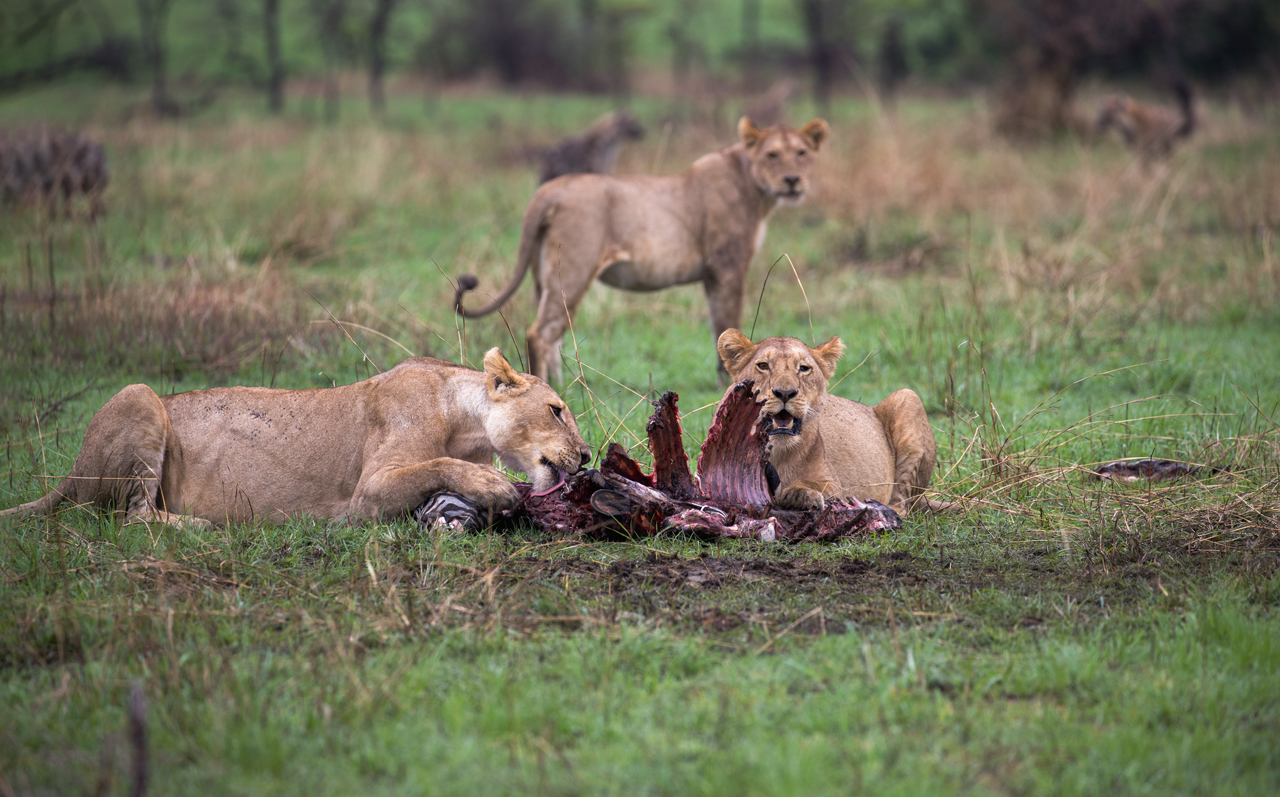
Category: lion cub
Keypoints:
(824, 446)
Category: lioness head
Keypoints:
(790, 377)
(531, 426)
(781, 157)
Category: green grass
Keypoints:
(1055, 306)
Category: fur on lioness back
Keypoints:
(375, 449)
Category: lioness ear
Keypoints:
(828, 354)
(815, 132)
(501, 374)
(749, 133)
(735, 349)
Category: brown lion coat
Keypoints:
(375, 449)
(824, 446)
(644, 233)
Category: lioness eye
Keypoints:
(763, 366)
(801, 154)
(773, 154)
(555, 411)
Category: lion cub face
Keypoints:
(789, 376)
(531, 426)
(781, 158)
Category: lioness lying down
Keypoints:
(824, 446)
(643, 233)
(371, 450)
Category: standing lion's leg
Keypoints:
(724, 288)
(915, 450)
(543, 339)
(558, 301)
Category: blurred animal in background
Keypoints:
(770, 108)
(37, 165)
(594, 150)
(1151, 131)
(640, 232)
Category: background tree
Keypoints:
(275, 65)
(153, 16)
(892, 59)
(335, 45)
(829, 45)
(378, 24)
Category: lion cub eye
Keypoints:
(763, 366)
(804, 369)
(801, 153)
(773, 155)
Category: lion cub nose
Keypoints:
(585, 454)
(785, 395)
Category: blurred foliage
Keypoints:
(597, 44)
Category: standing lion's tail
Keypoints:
(537, 217)
(44, 505)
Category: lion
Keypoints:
(644, 233)
(1150, 130)
(826, 447)
(594, 150)
(372, 450)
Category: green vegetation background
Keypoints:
(1056, 305)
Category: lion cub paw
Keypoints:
(797, 496)
(491, 490)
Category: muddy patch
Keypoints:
(724, 571)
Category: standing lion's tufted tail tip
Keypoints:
(466, 282)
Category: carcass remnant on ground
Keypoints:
(729, 498)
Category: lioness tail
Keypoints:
(536, 219)
(44, 505)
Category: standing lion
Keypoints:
(643, 233)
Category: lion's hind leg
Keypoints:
(131, 460)
(915, 450)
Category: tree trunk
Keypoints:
(154, 18)
(821, 53)
(275, 66)
(751, 44)
(331, 14)
(378, 55)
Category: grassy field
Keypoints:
(1056, 306)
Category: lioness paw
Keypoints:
(799, 497)
(491, 491)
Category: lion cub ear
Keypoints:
(749, 133)
(815, 132)
(828, 354)
(735, 349)
(501, 376)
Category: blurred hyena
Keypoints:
(37, 165)
(593, 150)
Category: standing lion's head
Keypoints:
(780, 158)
